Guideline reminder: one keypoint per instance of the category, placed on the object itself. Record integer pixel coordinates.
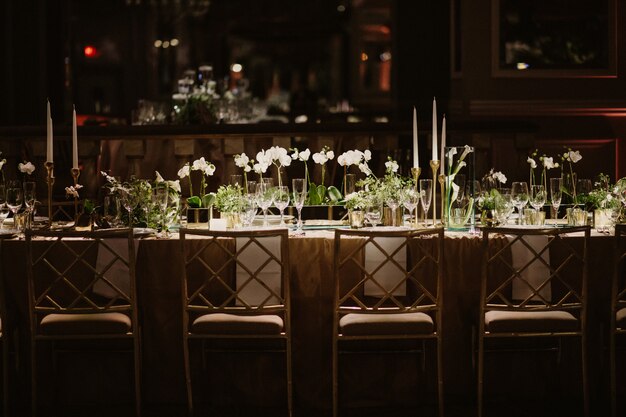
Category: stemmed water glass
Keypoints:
(410, 200)
(299, 188)
(264, 199)
(29, 196)
(281, 201)
(128, 201)
(537, 196)
(249, 209)
(426, 195)
(556, 194)
(519, 194)
(14, 199)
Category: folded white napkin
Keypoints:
(253, 256)
(534, 274)
(118, 273)
(389, 274)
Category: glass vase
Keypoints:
(459, 191)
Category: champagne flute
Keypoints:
(281, 201)
(264, 199)
(129, 205)
(519, 194)
(162, 196)
(556, 194)
(14, 201)
(299, 188)
(426, 195)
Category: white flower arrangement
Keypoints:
(72, 191)
(207, 169)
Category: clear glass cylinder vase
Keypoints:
(460, 189)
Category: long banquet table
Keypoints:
(158, 286)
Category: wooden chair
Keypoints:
(618, 307)
(5, 339)
(533, 285)
(387, 288)
(64, 269)
(235, 287)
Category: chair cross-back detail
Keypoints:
(236, 286)
(533, 284)
(66, 274)
(387, 287)
(618, 308)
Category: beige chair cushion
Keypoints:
(355, 324)
(80, 324)
(530, 321)
(232, 324)
(620, 318)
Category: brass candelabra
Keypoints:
(75, 175)
(50, 181)
(416, 172)
(434, 166)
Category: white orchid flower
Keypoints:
(242, 160)
(184, 171)
(159, 178)
(499, 176)
(574, 156)
(26, 168)
(174, 185)
(532, 163)
(392, 166)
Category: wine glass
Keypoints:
(29, 195)
(264, 197)
(426, 196)
(128, 202)
(111, 209)
(299, 188)
(410, 200)
(249, 209)
(537, 196)
(519, 194)
(14, 200)
(556, 194)
(281, 201)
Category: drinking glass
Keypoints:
(556, 194)
(264, 197)
(299, 188)
(537, 196)
(393, 203)
(269, 181)
(236, 180)
(29, 195)
(426, 195)
(373, 213)
(410, 200)
(161, 198)
(249, 209)
(111, 209)
(281, 201)
(251, 187)
(128, 201)
(519, 194)
(14, 199)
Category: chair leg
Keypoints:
(585, 375)
(335, 380)
(289, 379)
(137, 363)
(440, 377)
(33, 379)
(188, 376)
(481, 370)
(613, 371)
(5, 376)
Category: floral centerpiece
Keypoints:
(229, 202)
(206, 169)
(452, 189)
(318, 194)
(569, 158)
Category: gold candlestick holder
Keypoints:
(416, 172)
(50, 181)
(442, 180)
(434, 166)
(75, 175)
